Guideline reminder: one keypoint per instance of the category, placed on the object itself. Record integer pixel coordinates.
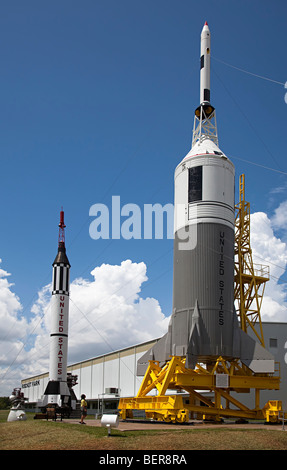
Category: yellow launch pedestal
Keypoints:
(218, 379)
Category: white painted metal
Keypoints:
(217, 203)
(205, 66)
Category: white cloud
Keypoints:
(279, 220)
(13, 326)
(106, 313)
(268, 249)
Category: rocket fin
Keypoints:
(254, 356)
(251, 353)
(193, 345)
(159, 352)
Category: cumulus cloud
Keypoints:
(269, 249)
(107, 313)
(13, 326)
(279, 219)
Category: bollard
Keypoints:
(110, 421)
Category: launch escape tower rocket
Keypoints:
(205, 348)
(58, 393)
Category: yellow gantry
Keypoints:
(249, 279)
(219, 380)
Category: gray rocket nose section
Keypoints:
(61, 255)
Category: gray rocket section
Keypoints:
(203, 311)
(204, 325)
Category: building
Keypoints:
(103, 379)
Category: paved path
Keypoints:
(132, 425)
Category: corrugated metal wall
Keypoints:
(114, 370)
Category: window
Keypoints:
(202, 61)
(273, 342)
(195, 184)
(206, 94)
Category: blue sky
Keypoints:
(97, 99)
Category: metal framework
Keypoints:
(174, 393)
(204, 126)
(219, 379)
(249, 279)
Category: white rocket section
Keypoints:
(60, 322)
(215, 200)
(59, 327)
(59, 337)
(213, 173)
(205, 65)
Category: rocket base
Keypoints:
(57, 394)
(58, 399)
(207, 384)
(244, 348)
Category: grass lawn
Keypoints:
(48, 435)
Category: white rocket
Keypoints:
(205, 65)
(57, 392)
(203, 324)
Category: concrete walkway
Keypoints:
(134, 425)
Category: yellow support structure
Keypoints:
(223, 378)
(249, 279)
(203, 391)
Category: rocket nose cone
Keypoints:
(205, 27)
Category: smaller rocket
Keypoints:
(205, 73)
(57, 392)
(205, 65)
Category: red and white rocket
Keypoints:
(57, 392)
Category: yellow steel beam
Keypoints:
(207, 382)
(174, 405)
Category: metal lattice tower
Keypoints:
(204, 126)
(249, 279)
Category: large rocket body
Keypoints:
(203, 300)
(204, 324)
